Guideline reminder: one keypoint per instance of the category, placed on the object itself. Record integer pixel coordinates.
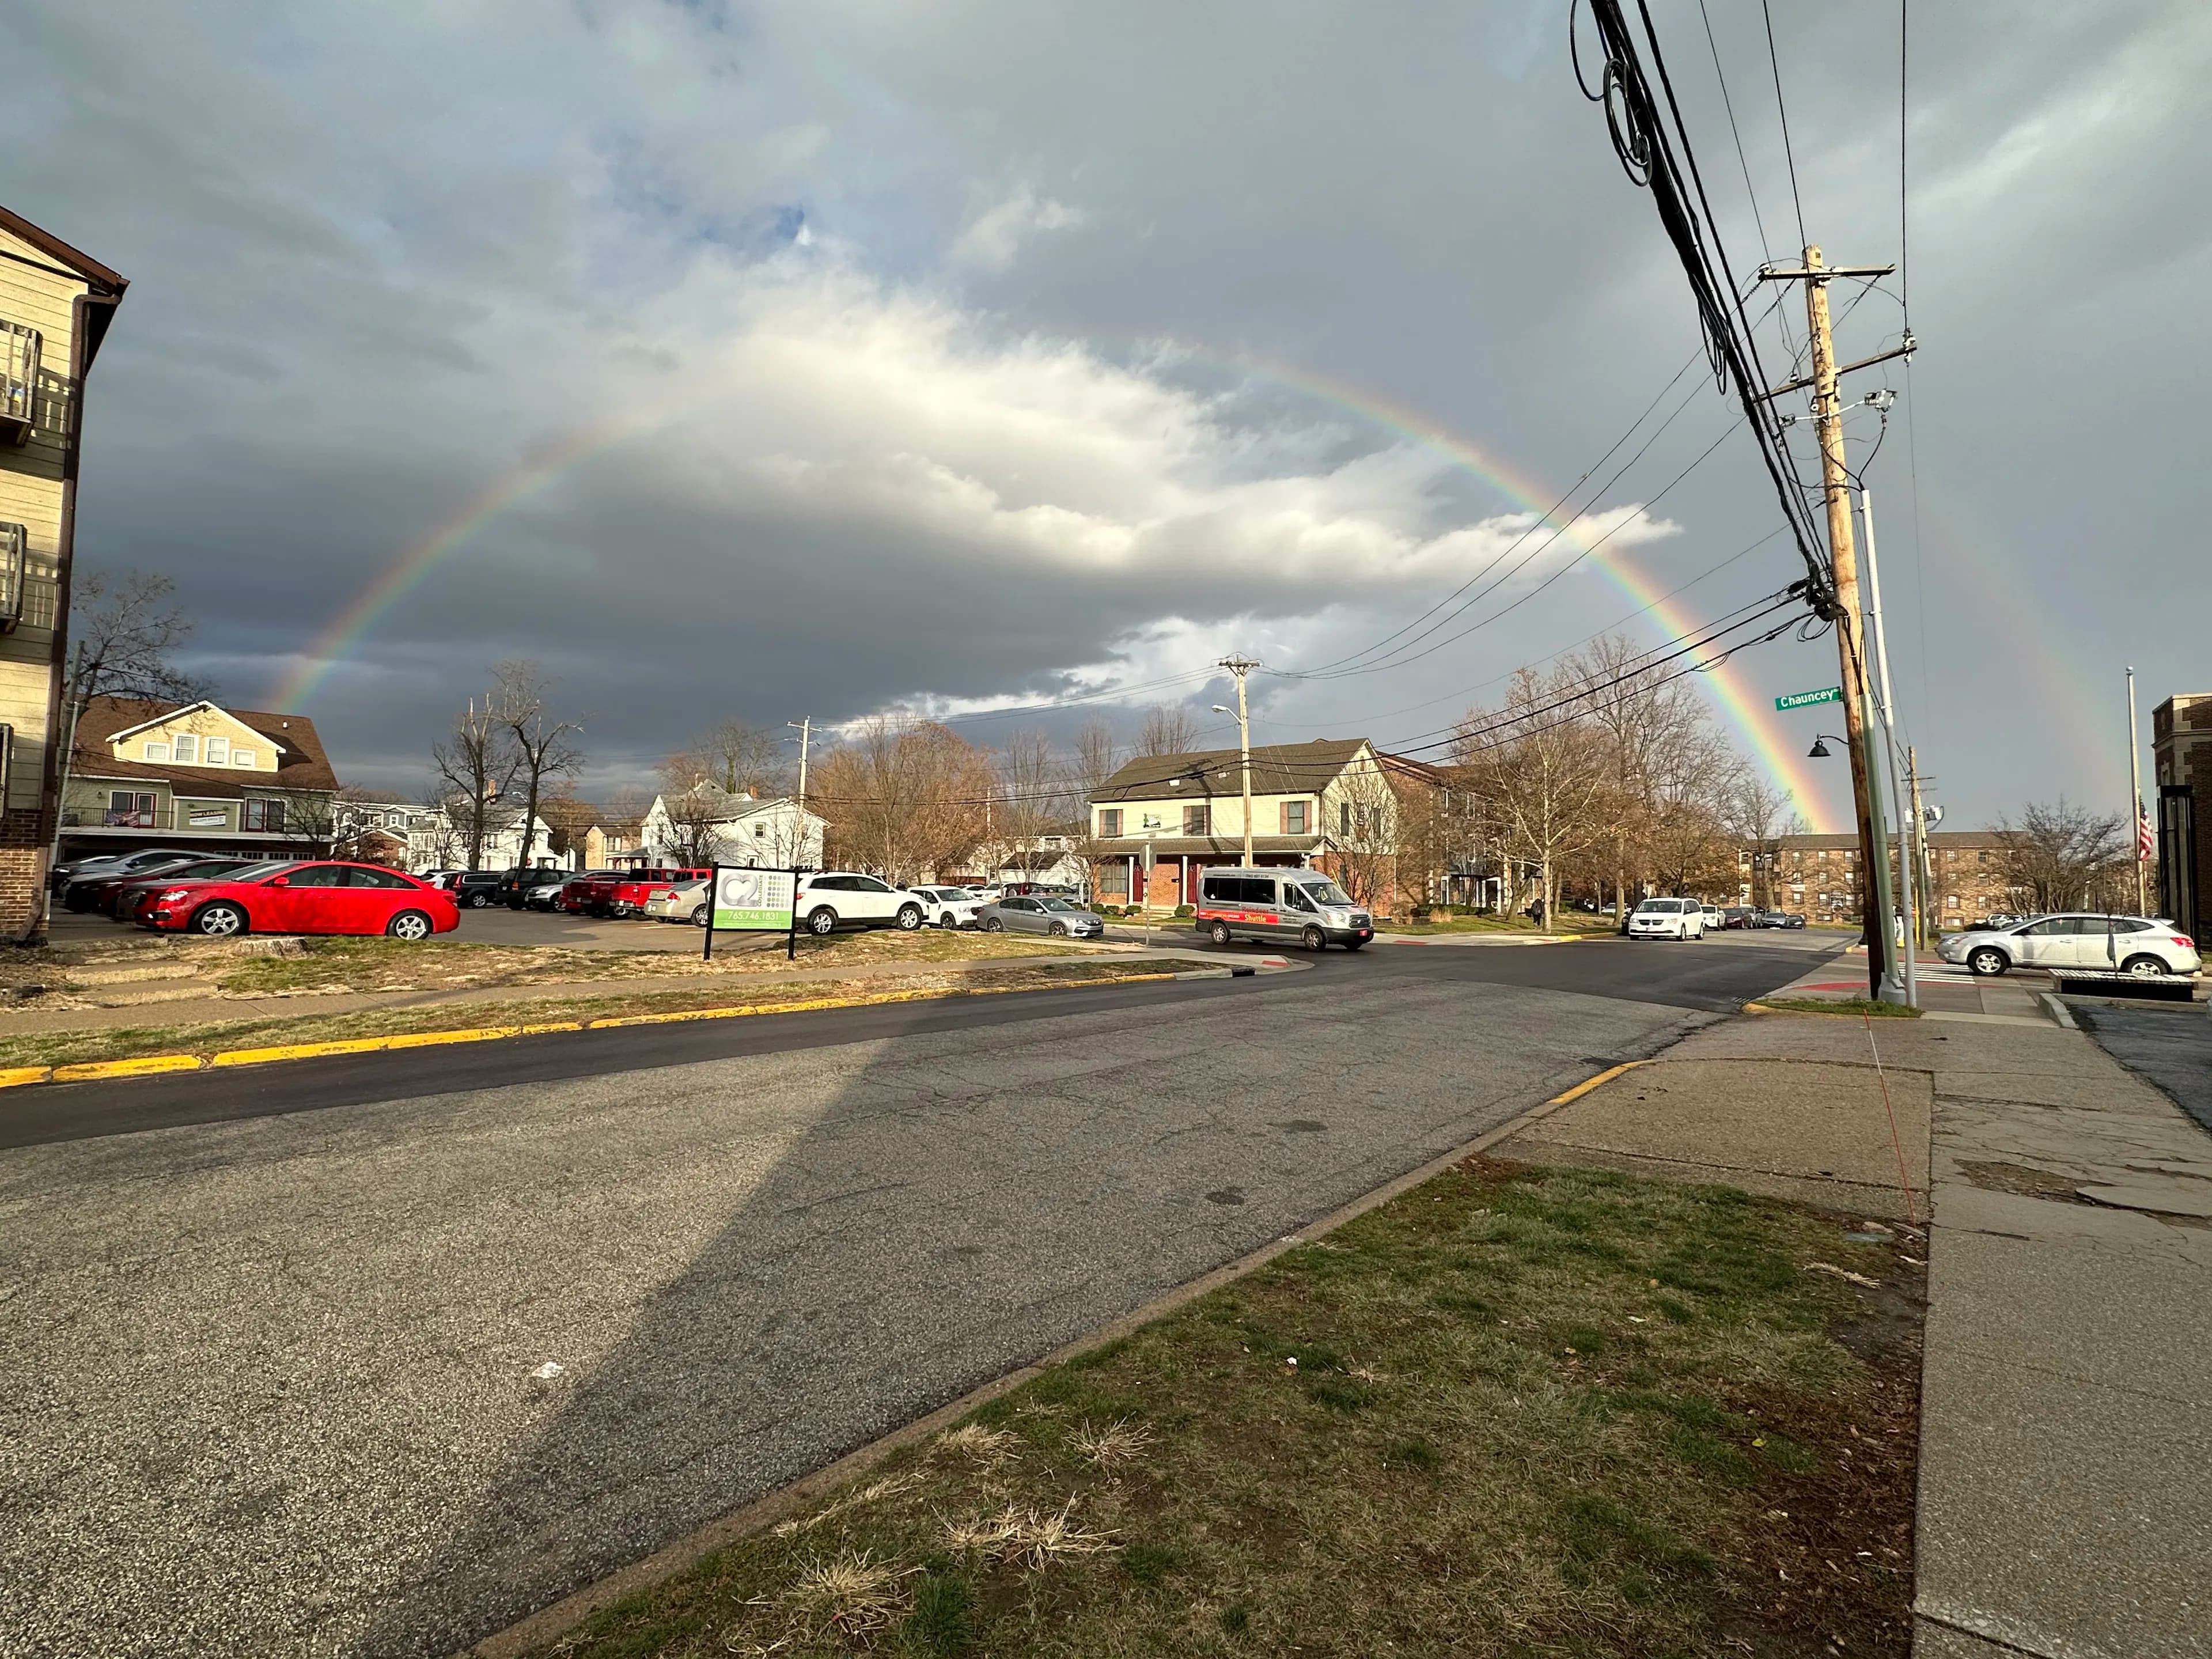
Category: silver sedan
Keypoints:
(1062, 918)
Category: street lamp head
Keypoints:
(1818, 751)
(1219, 709)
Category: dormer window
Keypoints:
(218, 752)
(187, 748)
(156, 751)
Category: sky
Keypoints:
(849, 357)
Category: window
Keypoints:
(241, 757)
(315, 875)
(359, 877)
(1344, 817)
(156, 751)
(125, 808)
(1198, 820)
(187, 748)
(266, 816)
(760, 832)
(867, 884)
(1294, 897)
(218, 752)
(1294, 818)
(1109, 822)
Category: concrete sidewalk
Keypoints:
(2065, 1503)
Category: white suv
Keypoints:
(2137, 945)
(844, 898)
(1667, 918)
(949, 907)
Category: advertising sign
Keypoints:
(753, 900)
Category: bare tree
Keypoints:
(742, 760)
(1754, 818)
(1097, 757)
(1363, 839)
(474, 767)
(1544, 767)
(902, 798)
(126, 627)
(1167, 729)
(2061, 855)
(1032, 796)
(538, 746)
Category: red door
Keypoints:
(374, 897)
(312, 900)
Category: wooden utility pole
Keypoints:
(1851, 634)
(1917, 847)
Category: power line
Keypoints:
(1729, 103)
(1782, 107)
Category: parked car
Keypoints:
(949, 907)
(1715, 918)
(1303, 905)
(583, 893)
(119, 863)
(513, 887)
(2095, 944)
(289, 896)
(546, 894)
(92, 888)
(469, 888)
(123, 894)
(1738, 916)
(1018, 914)
(1667, 917)
(626, 895)
(1780, 919)
(686, 901)
(831, 899)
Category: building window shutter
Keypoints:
(1109, 822)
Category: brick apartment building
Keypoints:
(1819, 876)
(55, 306)
(2181, 757)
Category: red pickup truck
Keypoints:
(620, 892)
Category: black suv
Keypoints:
(513, 885)
(472, 889)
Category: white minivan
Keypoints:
(1303, 905)
(1667, 918)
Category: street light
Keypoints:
(1820, 749)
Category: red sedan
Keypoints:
(291, 897)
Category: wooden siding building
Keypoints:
(55, 307)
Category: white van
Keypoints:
(1667, 918)
(1279, 906)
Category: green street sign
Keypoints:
(1807, 699)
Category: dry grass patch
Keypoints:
(207, 1039)
(1534, 1412)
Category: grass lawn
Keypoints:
(304, 1025)
(1854, 1006)
(387, 964)
(1517, 1411)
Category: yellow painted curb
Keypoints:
(91, 1070)
(1605, 1076)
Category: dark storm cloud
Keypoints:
(866, 306)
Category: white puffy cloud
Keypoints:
(994, 236)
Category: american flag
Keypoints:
(2146, 842)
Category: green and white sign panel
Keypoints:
(755, 900)
(1807, 699)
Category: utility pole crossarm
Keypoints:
(1910, 346)
(1808, 271)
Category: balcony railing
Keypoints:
(13, 542)
(19, 378)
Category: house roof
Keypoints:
(106, 285)
(1170, 847)
(732, 809)
(1285, 769)
(300, 763)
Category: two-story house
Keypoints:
(1333, 805)
(706, 824)
(55, 306)
(193, 775)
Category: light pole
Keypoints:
(1240, 667)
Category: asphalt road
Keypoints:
(268, 1376)
(2168, 1042)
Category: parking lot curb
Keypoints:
(147, 1065)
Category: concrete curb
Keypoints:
(549, 1624)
